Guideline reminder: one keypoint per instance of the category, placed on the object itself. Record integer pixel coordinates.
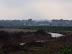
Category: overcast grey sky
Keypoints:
(36, 9)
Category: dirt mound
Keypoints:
(40, 32)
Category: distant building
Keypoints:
(31, 22)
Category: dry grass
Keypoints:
(17, 30)
(53, 44)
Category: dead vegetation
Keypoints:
(10, 41)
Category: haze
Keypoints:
(35, 9)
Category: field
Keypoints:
(36, 39)
(47, 28)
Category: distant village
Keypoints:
(31, 22)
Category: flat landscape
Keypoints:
(16, 30)
(35, 26)
(24, 40)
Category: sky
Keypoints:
(35, 9)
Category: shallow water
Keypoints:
(22, 43)
(55, 34)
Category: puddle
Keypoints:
(55, 34)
